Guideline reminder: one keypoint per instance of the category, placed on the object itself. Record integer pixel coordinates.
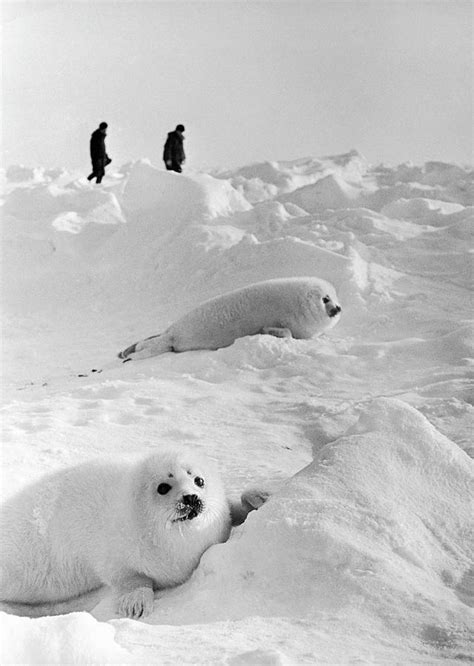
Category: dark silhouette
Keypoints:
(99, 156)
(173, 153)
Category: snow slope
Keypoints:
(363, 434)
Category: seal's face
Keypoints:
(184, 489)
(332, 309)
(189, 504)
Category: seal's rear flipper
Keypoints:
(126, 352)
(152, 346)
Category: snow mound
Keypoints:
(442, 173)
(77, 638)
(429, 210)
(267, 180)
(169, 198)
(17, 173)
(375, 526)
(462, 224)
(42, 201)
(329, 192)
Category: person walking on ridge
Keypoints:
(99, 156)
(173, 153)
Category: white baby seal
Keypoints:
(136, 527)
(301, 307)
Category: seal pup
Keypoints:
(134, 526)
(299, 307)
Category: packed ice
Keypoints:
(363, 435)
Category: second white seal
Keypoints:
(299, 307)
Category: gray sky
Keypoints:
(251, 80)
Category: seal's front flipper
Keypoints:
(277, 331)
(253, 498)
(135, 596)
(250, 500)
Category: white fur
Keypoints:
(105, 523)
(281, 307)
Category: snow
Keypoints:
(362, 553)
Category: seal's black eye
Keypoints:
(199, 481)
(326, 299)
(163, 488)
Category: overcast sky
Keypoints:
(251, 80)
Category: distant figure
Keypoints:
(99, 156)
(173, 154)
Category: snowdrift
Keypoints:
(362, 434)
(372, 531)
(367, 529)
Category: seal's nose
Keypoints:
(334, 311)
(194, 506)
(191, 500)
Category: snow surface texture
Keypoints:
(363, 552)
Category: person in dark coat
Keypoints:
(99, 156)
(173, 153)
